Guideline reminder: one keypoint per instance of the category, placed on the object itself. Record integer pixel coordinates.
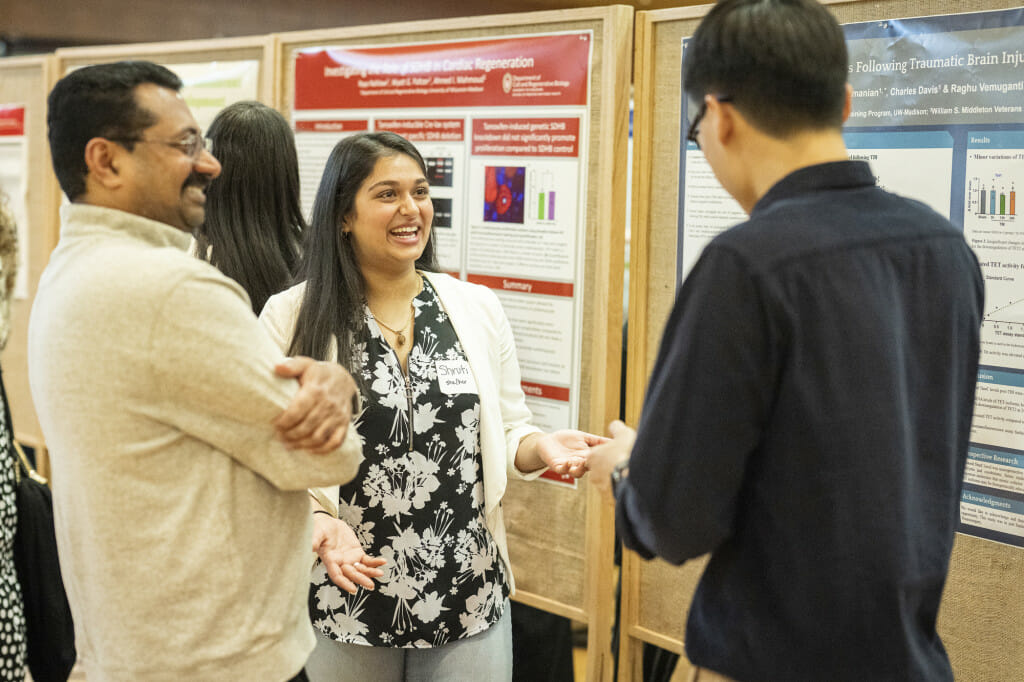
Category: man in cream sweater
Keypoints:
(181, 442)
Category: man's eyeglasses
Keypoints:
(191, 145)
(691, 134)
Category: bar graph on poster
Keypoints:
(992, 203)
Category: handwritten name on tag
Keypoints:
(455, 377)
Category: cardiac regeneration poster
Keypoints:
(14, 183)
(938, 113)
(502, 126)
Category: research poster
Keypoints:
(14, 183)
(502, 126)
(938, 113)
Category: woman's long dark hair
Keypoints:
(332, 306)
(254, 223)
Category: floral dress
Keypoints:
(418, 499)
(12, 617)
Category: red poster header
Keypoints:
(525, 286)
(426, 129)
(12, 120)
(526, 137)
(333, 126)
(546, 70)
(545, 391)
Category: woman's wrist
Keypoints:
(527, 455)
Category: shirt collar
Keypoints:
(75, 217)
(819, 177)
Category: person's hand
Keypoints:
(348, 566)
(566, 451)
(603, 458)
(319, 415)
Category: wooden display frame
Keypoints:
(981, 620)
(561, 542)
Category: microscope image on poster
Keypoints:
(504, 198)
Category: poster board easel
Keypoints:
(980, 621)
(562, 566)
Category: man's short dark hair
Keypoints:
(782, 63)
(98, 101)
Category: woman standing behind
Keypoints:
(254, 223)
(445, 422)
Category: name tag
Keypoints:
(455, 377)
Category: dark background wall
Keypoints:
(32, 26)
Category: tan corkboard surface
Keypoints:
(981, 620)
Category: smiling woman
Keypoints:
(444, 423)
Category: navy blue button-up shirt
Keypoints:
(807, 423)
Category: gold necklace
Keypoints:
(399, 333)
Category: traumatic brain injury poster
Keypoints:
(938, 113)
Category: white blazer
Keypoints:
(486, 337)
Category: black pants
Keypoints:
(301, 677)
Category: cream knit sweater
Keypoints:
(183, 525)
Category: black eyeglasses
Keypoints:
(691, 134)
(191, 145)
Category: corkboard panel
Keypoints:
(982, 619)
(549, 563)
(560, 538)
(25, 80)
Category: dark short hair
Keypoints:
(783, 63)
(254, 224)
(98, 101)
(332, 307)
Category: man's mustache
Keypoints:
(198, 180)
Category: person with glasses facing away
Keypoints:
(181, 442)
(807, 419)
